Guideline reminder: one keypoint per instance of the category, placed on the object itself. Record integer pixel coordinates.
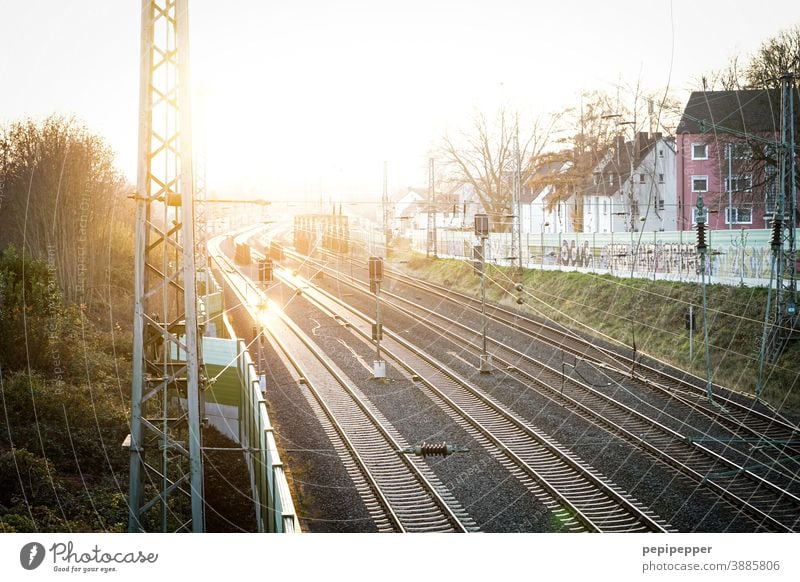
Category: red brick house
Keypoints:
(727, 151)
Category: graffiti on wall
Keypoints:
(679, 259)
(734, 256)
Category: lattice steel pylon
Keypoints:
(785, 316)
(165, 443)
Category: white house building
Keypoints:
(634, 187)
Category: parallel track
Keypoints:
(411, 496)
(775, 438)
(774, 508)
(589, 501)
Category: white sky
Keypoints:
(308, 97)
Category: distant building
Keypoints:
(453, 208)
(727, 151)
(543, 209)
(633, 188)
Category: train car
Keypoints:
(276, 251)
(241, 254)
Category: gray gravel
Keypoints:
(685, 505)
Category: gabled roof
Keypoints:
(538, 181)
(419, 192)
(744, 111)
(617, 163)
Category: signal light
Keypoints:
(482, 225)
(376, 269)
(265, 271)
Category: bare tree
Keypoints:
(775, 56)
(590, 134)
(762, 70)
(486, 155)
(728, 78)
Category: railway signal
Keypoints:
(375, 280)
(265, 271)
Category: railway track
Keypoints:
(771, 506)
(769, 427)
(411, 497)
(582, 498)
(773, 440)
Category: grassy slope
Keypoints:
(653, 311)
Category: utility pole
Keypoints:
(387, 219)
(165, 439)
(780, 319)
(786, 221)
(202, 211)
(375, 280)
(431, 248)
(516, 203)
(702, 250)
(482, 232)
(729, 151)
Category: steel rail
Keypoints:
(578, 488)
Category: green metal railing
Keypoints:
(274, 506)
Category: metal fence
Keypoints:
(274, 506)
(736, 257)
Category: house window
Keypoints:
(661, 178)
(661, 204)
(699, 183)
(641, 178)
(699, 151)
(660, 153)
(739, 216)
(741, 183)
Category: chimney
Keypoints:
(639, 144)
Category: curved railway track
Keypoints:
(586, 499)
(411, 497)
